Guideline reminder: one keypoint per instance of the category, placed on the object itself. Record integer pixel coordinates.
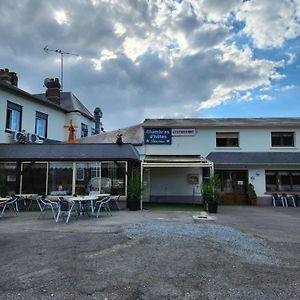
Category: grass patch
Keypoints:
(173, 207)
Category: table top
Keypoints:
(4, 198)
(88, 197)
(26, 195)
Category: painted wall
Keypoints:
(173, 181)
(56, 119)
(204, 142)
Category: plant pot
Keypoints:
(133, 204)
(212, 207)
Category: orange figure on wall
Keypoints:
(72, 130)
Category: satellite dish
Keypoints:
(47, 81)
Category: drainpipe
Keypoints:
(142, 185)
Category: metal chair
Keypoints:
(290, 200)
(114, 199)
(65, 206)
(45, 204)
(276, 199)
(103, 203)
(10, 203)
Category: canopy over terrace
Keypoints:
(73, 168)
(171, 172)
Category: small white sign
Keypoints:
(183, 131)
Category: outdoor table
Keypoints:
(81, 199)
(26, 197)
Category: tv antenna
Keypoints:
(62, 53)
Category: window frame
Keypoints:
(41, 116)
(227, 144)
(13, 107)
(281, 136)
(84, 130)
(278, 181)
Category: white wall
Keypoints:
(56, 119)
(173, 181)
(204, 142)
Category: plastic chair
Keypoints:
(45, 204)
(65, 206)
(10, 203)
(290, 200)
(114, 199)
(103, 203)
(277, 199)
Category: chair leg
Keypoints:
(58, 215)
(2, 212)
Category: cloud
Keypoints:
(270, 23)
(141, 59)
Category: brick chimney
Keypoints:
(53, 90)
(98, 116)
(9, 77)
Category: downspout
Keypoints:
(142, 185)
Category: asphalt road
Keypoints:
(245, 253)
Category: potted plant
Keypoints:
(251, 194)
(134, 191)
(211, 193)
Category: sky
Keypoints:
(138, 59)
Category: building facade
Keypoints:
(178, 154)
(41, 117)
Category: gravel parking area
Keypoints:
(245, 253)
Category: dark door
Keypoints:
(234, 186)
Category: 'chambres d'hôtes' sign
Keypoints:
(162, 136)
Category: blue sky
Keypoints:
(160, 59)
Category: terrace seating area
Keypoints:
(61, 208)
(284, 200)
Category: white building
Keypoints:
(176, 154)
(42, 116)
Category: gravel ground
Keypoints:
(255, 250)
(244, 254)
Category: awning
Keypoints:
(67, 152)
(176, 161)
(254, 158)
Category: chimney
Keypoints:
(98, 116)
(9, 77)
(53, 90)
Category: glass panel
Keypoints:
(60, 178)
(240, 182)
(288, 139)
(296, 180)
(87, 177)
(113, 178)
(13, 120)
(228, 182)
(41, 127)
(271, 181)
(34, 178)
(284, 181)
(8, 179)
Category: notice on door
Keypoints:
(158, 136)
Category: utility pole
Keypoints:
(62, 53)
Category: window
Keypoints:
(84, 130)
(227, 139)
(282, 139)
(41, 124)
(282, 181)
(13, 116)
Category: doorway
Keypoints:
(234, 185)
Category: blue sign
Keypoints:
(158, 136)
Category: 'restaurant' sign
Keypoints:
(184, 131)
(158, 136)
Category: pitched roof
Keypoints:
(69, 103)
(133, 135)
(254, 158)
(223, 122)
(70, 152)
